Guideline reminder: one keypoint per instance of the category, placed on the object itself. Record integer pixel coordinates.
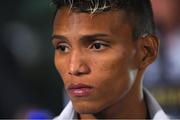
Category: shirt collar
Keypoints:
(154, 109)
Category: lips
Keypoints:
(79, 90)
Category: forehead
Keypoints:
(67, 21)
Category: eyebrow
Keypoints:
(84, 37)
(93, 36)
(60, 37)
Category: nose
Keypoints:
(78, 65)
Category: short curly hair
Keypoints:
(142, 18)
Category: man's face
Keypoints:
(95, 57)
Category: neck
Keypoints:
(130, 106)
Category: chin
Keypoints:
(86, 108)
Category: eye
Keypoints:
(63, 47)
(98, 46)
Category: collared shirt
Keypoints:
(154, 109)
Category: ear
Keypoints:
(149, 48)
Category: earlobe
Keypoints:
(149, 50)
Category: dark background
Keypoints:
(28, 79)
(30, 87)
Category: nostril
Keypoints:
(80, 70)
(73, 73)
(84, 69)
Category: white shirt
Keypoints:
(155, 111)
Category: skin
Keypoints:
(100, 51)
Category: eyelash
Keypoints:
(95, 46)
(100, 46)
(59, 47)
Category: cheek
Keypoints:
(110, 63)
(57, 62)
(111, 79)
(111, 70)
(61, 65)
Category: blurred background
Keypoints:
(30, 87)
(163, 77)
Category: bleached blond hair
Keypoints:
(139, 12)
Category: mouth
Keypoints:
(79, 90)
